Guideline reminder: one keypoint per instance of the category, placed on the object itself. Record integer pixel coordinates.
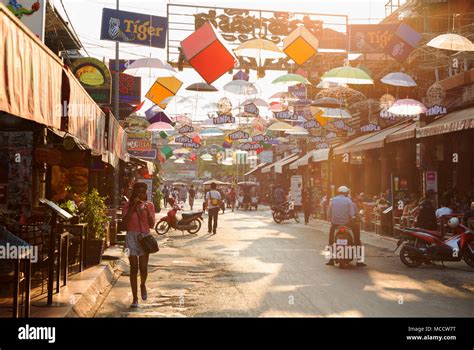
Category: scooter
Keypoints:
(423, 246)
(344, 240)
(191, 221)
(284, 211)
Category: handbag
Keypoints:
(147, 241)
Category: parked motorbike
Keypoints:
(190, 221)
(284, 211)
(423, 246)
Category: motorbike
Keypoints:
(284, 211)
(343, 239)
(424, 246)
(190, 221)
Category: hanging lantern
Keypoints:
(224, 106)
(386, 101)
(435, 94)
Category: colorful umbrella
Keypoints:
(201, 87)
(280, 126)
(347, 75)
(286, 96)
(335, 113)
(149, 67)
(240, 87)
(398, 79)
(291, 79)
(327, 102)
(211, 132)
(407, 107)
(297, 130)
(260, 49)
(256, 101)
(160, 126)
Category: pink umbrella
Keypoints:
(160, 126)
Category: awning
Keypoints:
(455, 121)
(408, 132)
(261, 165)
(315, 155)
(143, 163)
(30, 74)
(367, 142)
(62, 134)
(269, 167)
(279, 165)
(117, 143)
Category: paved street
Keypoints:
(255, 267)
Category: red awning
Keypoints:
(117, 143)
(30, 74)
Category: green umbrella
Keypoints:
(166, 152)
(291, 79)
(347, 75)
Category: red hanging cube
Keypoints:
(206, 52)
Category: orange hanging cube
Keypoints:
(207, 53)
(162, 88)
(300, 45)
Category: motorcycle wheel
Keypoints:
(196, 222)
(297, 218)
(407, 258)
(162, 227)
(467, 255)
(276, 217)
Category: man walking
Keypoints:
(192, 195)
(213, 198)
(166, 194)
(307, 203)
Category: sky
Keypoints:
(85, 16)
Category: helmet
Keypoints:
(453, 222)
(343, 190)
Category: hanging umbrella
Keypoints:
(327, 102)
(241, 87)
(398, 79)
(179, 161)
(211, 132)
(277, 106)
(160, 126)
(181, 151)
(159, 117)
(183, 119)
(297, 130)
(452, 42)
(213, 181)
(291, 79)
(260, 49)
(149, 67)
(201, 87)
(328, 84)
(207, 157)
(347, 75)
(178, 184)
(241, 75)
(280, 126)
(335, 113)
(256, 101)
(407, 107)
(287, 96)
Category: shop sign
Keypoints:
(312, 124)
(186, 129)
(339, 124)
(250, 146)
(134, 28)
(285, 115)
(251, 109)
(296, 189)
(183, 139)
(191, 144)
(123, 64)
(370, 38)
(223, 119)
(238, 135)
(149, 154)
(298, 90)
(370, 127)
(138, 145)
(261, 138)
(31, 13)
(95, 77)
(436, 110)
(130, 89)
(431, 181)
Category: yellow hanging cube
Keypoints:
(300, 45)
(162, 88)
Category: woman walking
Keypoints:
(139, 215)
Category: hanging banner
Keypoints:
(185, 129)
(298, 90)
(436, 110)
(223, 119)
(251, 109)
(31, 13)
(250, 146)
(95, 77)
(369, 127)
(238, 135)
(150, 154)
(123, 64)
(183, 139)
(312, 124)
(370, 38)
(285, 115)
(191, 145)
(134, 28)
(261, 138)
(138, 145)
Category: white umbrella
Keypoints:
(240, 87)
(297, 130)
(260, 49)
(452, 42)
(398, 79)
(335, 113)
(407, 107)
(347, 75)
(256, 101)
(149, 67)
(280, 126)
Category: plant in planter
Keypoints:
(95, 215)
(157, 198)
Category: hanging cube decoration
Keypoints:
(207, 53)
(163, 88)
(300, 45)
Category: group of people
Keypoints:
(179, 194)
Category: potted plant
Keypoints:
(157, 198)
(95, 215)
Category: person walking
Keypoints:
(307, 203)
(183, 194)
(214, 199)
(166, 194)
(139, 217)
(192, 196)
(232, 198)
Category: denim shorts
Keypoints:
(132, 244)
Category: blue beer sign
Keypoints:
(134, 28)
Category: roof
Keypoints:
(251, 171)
(455, 121)
(270, 166)
(408, 132)
(316, 155)
(280, 164)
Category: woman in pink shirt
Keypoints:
(139, 215)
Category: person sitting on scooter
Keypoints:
(341, 212)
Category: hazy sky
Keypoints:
(85, 16)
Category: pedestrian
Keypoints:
(444, 210)
(426, 218)
(183, 194)
(139, 217)
(214, 199)
(279, 195)
(166, 194)
(307, 203)
(232, 198)
(222, 203)
(192, 196)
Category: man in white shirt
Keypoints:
(444, 210)
(214, 199)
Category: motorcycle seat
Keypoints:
(431, 232)
(190, 213)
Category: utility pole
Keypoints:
(116, 187)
